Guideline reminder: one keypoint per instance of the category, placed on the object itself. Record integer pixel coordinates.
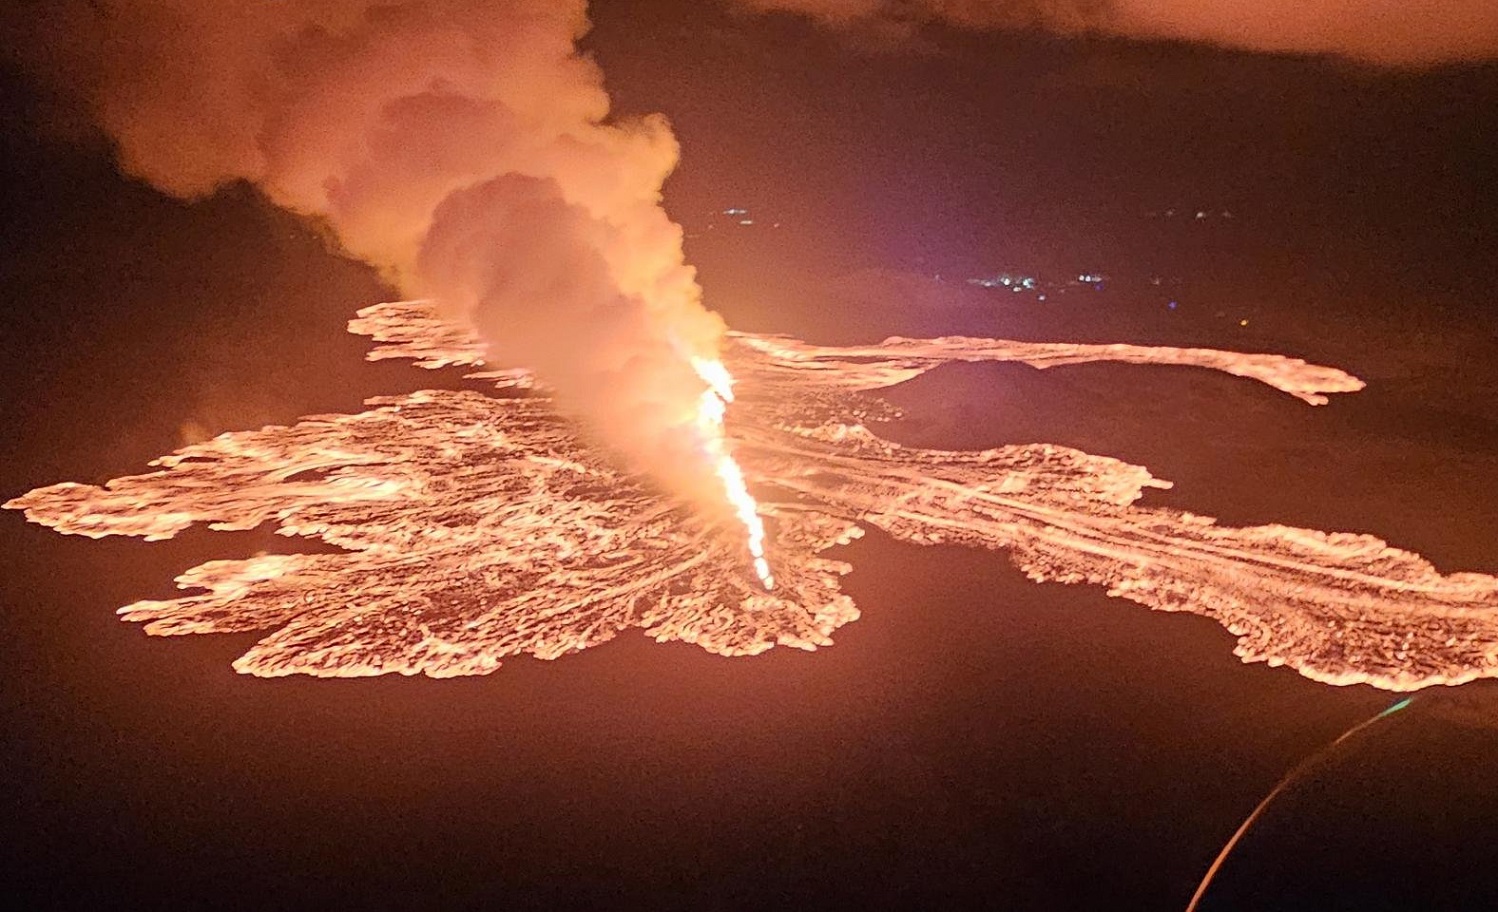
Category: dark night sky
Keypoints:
(964, 149)
(974, 741)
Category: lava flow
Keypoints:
(476, 527)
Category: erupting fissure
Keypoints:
(471, 528)
(710, 412)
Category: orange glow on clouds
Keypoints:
(1389, 32)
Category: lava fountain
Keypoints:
(714, 405)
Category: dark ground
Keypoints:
(974, 741)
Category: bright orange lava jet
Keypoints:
(710, 412)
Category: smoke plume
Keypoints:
(1389, 32)
(462, 146)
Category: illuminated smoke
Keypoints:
(465, 148)
(1392, 32)
(475, 528)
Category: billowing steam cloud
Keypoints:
(1395, 32)
(463, 146)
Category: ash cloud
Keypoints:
(464, 147)
(1405, 33)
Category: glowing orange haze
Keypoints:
(465, 148)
